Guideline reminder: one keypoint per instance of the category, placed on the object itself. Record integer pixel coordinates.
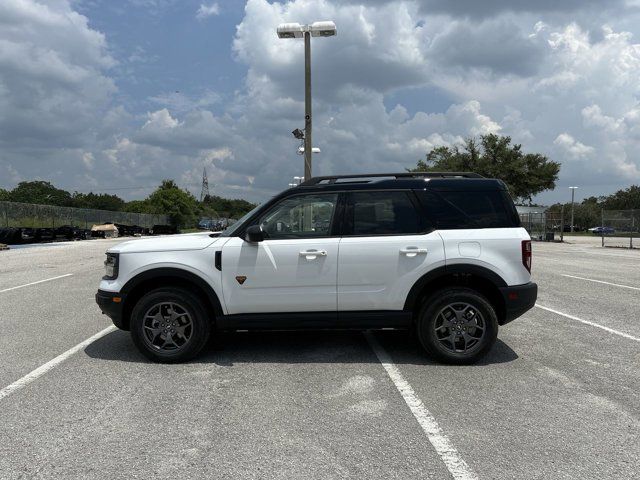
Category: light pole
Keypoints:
(573, 191)
(295, 30)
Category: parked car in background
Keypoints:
(602, 230)
(213, 224)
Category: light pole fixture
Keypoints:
(573, 191)
(301, 150)
(296, 30)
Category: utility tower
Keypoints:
(205, 185)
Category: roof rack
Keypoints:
(334, 178)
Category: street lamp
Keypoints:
(295, 30)
(573, 191)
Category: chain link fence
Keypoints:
(27, 215)
(620, 228)
(543, 226)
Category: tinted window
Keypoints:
(301, 216)
(469, 209)
(382, 213)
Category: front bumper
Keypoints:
(518, 299)
(112, 305)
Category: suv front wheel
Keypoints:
(457, 325)
(170, 325)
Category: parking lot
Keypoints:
(557, 397)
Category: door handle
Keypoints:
(312, 254)
(413, 251)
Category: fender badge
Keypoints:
(241, 279)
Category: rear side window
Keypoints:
(469, 209)
(382, 213)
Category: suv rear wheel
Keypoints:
(170, 325)
(457, 325)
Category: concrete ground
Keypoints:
(556, 398)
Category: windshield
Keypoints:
(229, 231)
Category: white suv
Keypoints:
(441, 253)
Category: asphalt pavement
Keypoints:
(556, 398)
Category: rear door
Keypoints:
(294, 269)
(386, 247)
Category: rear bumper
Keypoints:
(518, 299)
(111, 307)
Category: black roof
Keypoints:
(405, 180)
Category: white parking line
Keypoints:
(587, 322)
(600, 281)
(449, 455)
(38, 372)
(35, 283)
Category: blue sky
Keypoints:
(165, 49)
(116, 95)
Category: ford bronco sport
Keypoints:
(440, 253)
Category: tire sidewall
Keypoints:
(187, 300)
(428, 315)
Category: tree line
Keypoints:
(181, 207)
(588, 212)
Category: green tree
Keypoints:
(179, 205)
(40, 192)
(627, 199)
(138, 206)
(213, 206)
(493, 156)
(4, 195)
(100, 201)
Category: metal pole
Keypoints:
(308, 144)
(602, 226)
(573, 190)
(562, 223)
(632, 229)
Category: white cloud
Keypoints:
(206, 11)
(575, 150)
(54, 86)
(554, 85)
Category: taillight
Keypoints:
(526, 254)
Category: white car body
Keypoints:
(355, 274)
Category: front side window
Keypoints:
(382, 213)
(301, 216)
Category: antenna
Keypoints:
(204, 193)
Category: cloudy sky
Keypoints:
(115, 95)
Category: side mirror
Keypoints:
(254, 234)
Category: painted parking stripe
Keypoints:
(40, 371)
(441, 443)
(35, 283)
(601, 281)
(587, 322)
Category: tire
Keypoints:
(170, 325)
(460, 338)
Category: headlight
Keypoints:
(111, 266)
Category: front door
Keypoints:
(384, 251)
(294, 269)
